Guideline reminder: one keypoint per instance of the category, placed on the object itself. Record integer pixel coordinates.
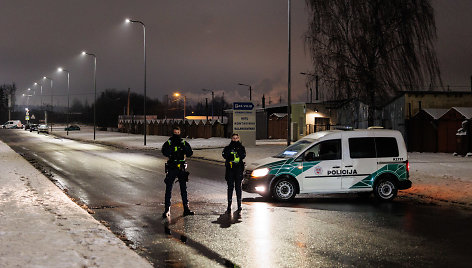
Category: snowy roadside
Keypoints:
(41, 227)
(437, 177)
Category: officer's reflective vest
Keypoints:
(180, 162)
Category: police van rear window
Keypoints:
(373, 147)
(386, 147)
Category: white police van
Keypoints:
(335, 161)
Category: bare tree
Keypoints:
(372, 49)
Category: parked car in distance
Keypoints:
(72, 127)
(43, 128)
(33, 127)
(12, 124)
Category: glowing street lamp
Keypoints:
(185, 100)
(144, 32)
(60, 69)
(50, 79)
(84, 53)
(41, 86)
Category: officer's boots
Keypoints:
(228, 210)
(166, 212)
(187, 211)
(239, 205)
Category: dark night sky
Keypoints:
(191, 45)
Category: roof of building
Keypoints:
(435, 113)
(280, 115)
(465, 111)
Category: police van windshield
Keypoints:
(295, 148)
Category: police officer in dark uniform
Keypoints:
(176, 149)
(234, 154)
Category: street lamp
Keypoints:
(185, 100)
(47, 78)
(84, 53)
(41, 86)
(250, 90)
(68, 95)
(28, 96)
(144, 32)
(212, 100)
(289, 101)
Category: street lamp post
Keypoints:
(28, 96)
(250, 90)
(144, 32)
(289, 101)
(41, 86)
(95, 90)
(185, 100)
(68, 95)
(212, 100)
(47, 78)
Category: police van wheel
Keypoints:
(284, 189)
(385, 189)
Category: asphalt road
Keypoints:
(125, 189)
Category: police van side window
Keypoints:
(325, 150)
(362, 148)
(386, 147)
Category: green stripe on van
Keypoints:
(398, 170)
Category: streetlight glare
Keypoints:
(83, 52)
(59, 69)
(127, 20)
(176, 94)
(44, 77)
(29, 88)
(35, 83)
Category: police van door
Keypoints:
(322, 163)
(359, 162)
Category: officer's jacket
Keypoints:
(176, 149)
(234, 154)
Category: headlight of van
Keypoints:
(260, 172)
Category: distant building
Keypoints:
(407, 104)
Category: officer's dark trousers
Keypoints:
(170, 179)
(234, 178)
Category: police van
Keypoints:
(335, 161)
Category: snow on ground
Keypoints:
(41, 227)
(442, 177)
(435, 176)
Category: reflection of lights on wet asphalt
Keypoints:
(136, 160)
(261, 235)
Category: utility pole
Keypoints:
(289, 103)
(206, 108)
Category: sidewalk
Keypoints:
(41, 227)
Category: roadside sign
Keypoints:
(27, 118)
(244, 122)
(245, 106)
(33, 117)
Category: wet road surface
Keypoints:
(126, 190)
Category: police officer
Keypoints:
(176, 149)
(234, 154)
